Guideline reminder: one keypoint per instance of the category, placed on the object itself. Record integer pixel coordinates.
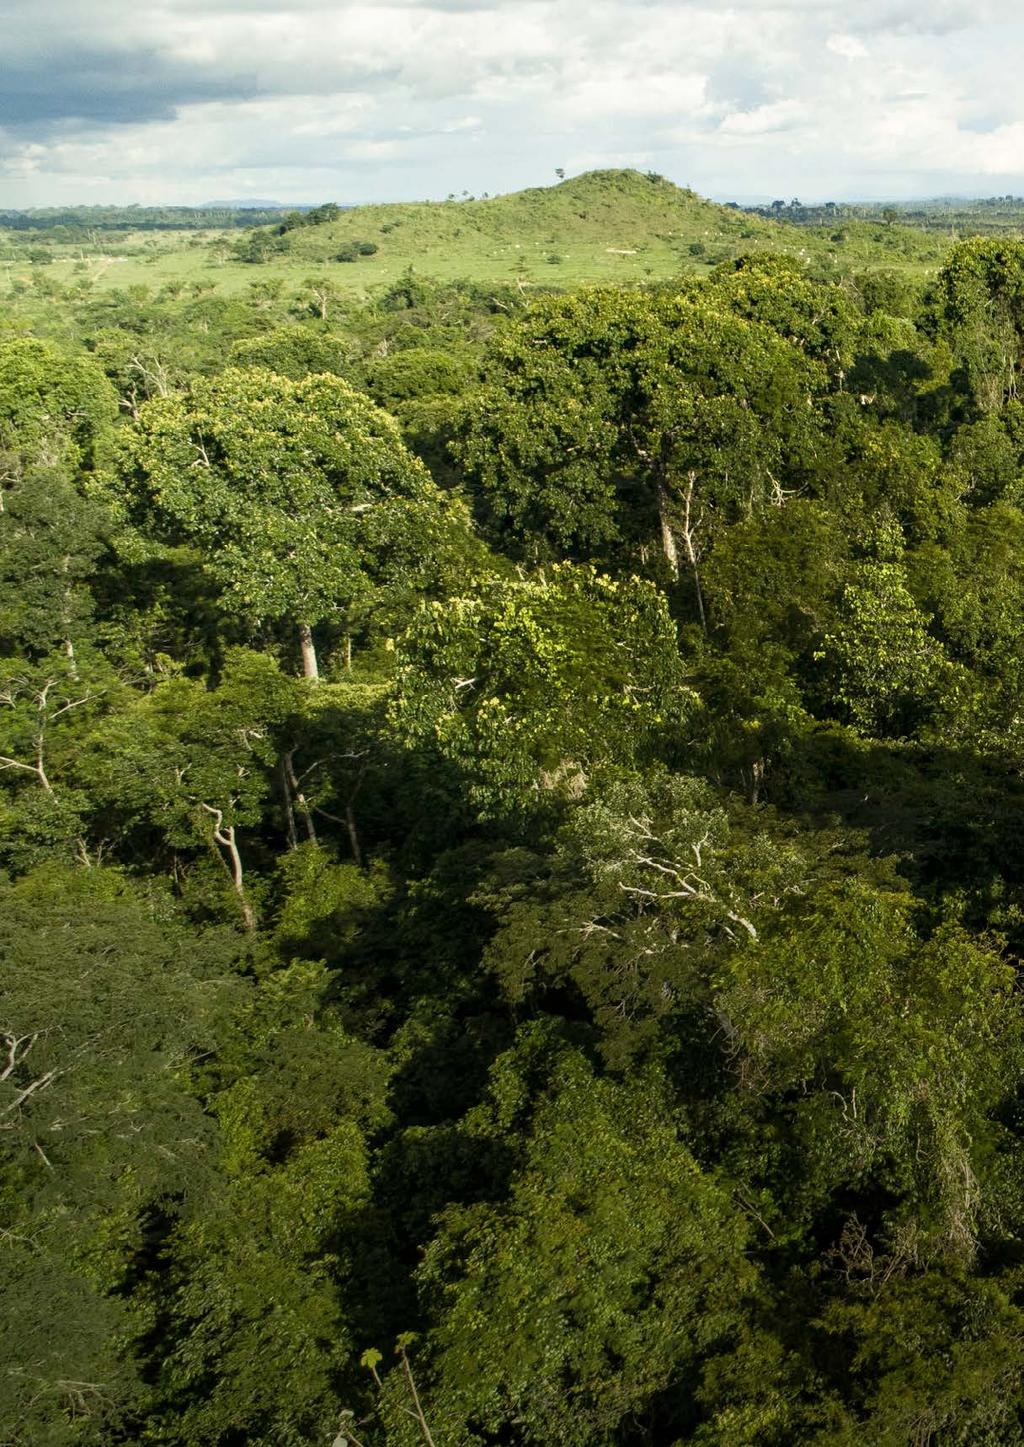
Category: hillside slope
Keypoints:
(605, 224)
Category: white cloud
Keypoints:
(388, 98)
(848, 46)
(783, 115)
(599, 93)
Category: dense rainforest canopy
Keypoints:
(512, 846)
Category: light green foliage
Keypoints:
(820, 320)
(649, 887)
(887, 671)
(50, 540)
(184, 745)
(617, 227)
(887, 291)
(138, 366)
(932, 1356)
(289, 488)
(894, 472)
(195, 763)
(294, 351)
(528, 686)
(48, 707)
(295, 1161)
(55, 408)
(601, 984)
(325, 902)
(898, 1047)
(981, 287)
(978, 592)
(988, 457)
(419, 372)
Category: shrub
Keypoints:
(353, 250)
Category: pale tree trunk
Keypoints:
(310, 667)
(690, 545)
(227, 841)
(668, 541)
(69, 647)
(38, 768)
(294, 786)
(349, 820)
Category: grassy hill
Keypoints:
(616, 225)
(604, 225)
(601, 225)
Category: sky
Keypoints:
(185, 101)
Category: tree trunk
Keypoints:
(225, 837)
(310, 667)
(668, 542)
(689, 527)
(353, 834)
(295, 792)
(286, 799)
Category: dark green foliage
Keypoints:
(627, 428)
(314, 216)
(109, 1004)
(297, 494)
(353, 250)
(612, 1268)
(50, 540)
(258, 247)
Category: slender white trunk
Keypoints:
(225, 837)
(689, 541)
(668, 541)
(295, 791)
(310, 667)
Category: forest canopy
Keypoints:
(512, 862)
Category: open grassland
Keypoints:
(609, 226)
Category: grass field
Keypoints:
(603, 226)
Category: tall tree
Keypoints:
(614, 420)
(528, 686)
(293, 491)
(55, 407)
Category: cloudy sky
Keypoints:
(184, 101)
